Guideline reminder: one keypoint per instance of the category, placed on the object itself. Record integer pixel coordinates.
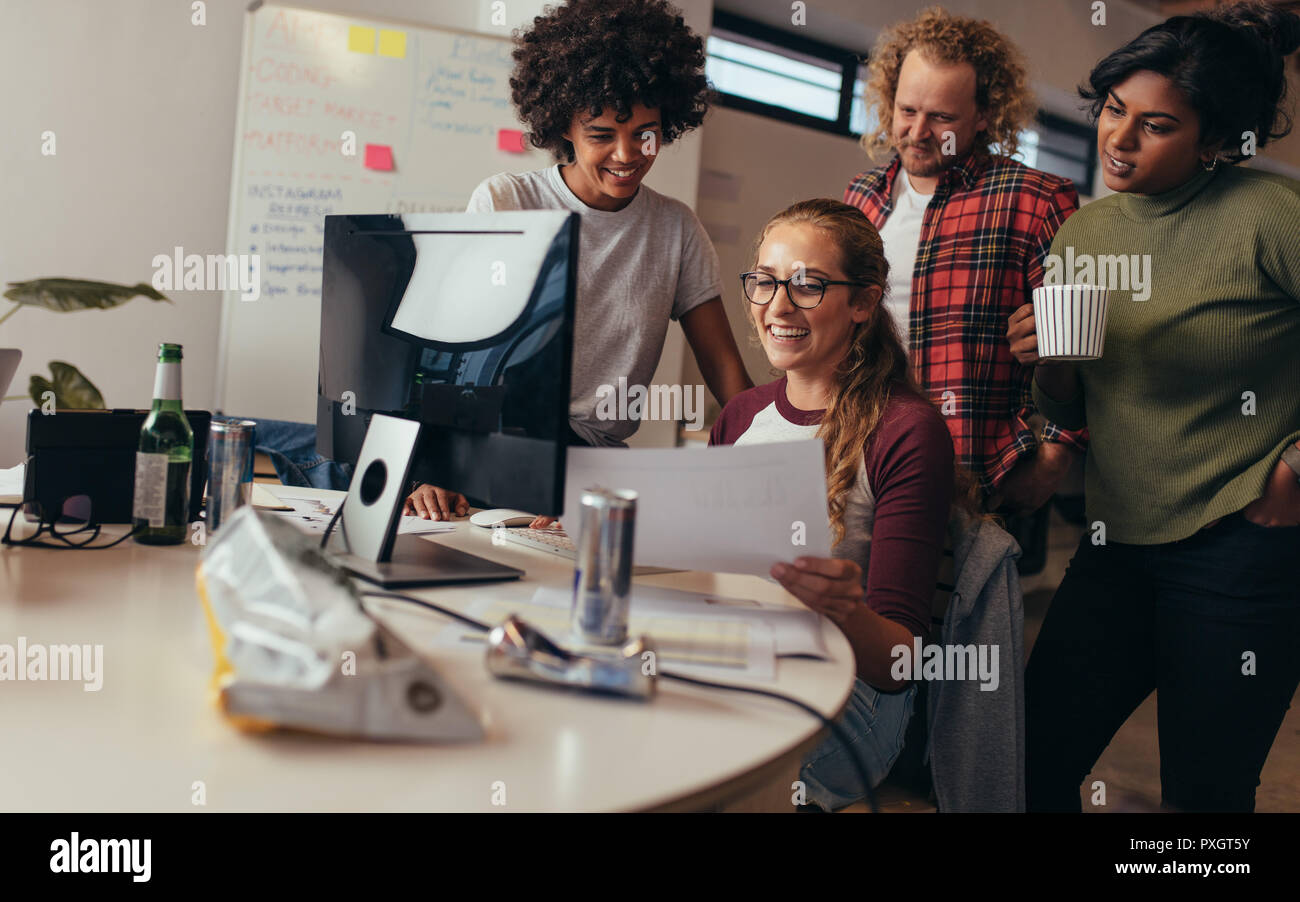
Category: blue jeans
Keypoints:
(292, 448)
(876, 722)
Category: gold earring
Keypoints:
(1214, 164)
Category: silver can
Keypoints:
(230, 469)
(602, 580)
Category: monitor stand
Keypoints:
(416, 561)
(365, 540)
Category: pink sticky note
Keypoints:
(379, 156)
(510, 140)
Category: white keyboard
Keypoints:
(556, 541)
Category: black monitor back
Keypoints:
(494, 407)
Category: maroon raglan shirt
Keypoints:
(896, 517)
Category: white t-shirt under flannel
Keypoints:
(638, 267)
(901, 234)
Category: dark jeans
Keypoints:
(1179, 619)
(292, 449)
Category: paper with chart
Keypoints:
(726, 508)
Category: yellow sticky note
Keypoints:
(392, 43)
(361, 39)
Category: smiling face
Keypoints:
(1148, 136)
(808, 342)
(933, 98)
(611, 157)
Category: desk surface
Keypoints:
(149, 734)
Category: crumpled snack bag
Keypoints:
(294, 647)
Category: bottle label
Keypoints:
(167, 382)
(150, 488)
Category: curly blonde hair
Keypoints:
(1001, 85)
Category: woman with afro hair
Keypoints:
(605, 85)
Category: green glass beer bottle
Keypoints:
(162, 462)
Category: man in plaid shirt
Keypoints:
(965, 230)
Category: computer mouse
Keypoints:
(501, 517)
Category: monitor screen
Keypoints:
(465, 322)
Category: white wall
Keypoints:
(752, 168)
(142, 104)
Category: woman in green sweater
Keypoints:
(1185, 583)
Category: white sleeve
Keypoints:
(699, 278)
(481, 200)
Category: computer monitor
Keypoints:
(463, 321)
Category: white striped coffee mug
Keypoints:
(1070, 321)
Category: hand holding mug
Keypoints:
(1022, 335)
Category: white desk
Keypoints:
(142, 741)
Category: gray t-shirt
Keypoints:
(637, 268)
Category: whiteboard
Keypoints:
(437, 99)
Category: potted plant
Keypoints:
(67, 387)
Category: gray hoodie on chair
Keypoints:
(976, 747)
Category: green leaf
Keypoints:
(65, 295)
(72, 391)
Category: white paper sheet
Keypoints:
(796, 632)
(312, 515)
(731, 509)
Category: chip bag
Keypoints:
(295, 648)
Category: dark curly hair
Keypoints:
(590, 55)
(1228, 62)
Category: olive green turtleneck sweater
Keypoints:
(1173, 443)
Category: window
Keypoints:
(1061, 147)
(862, 119)
(773, 73)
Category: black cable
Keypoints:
(330, 528)
(454, 615)
(836, 730)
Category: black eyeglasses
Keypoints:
(78, 510)
(805, 292)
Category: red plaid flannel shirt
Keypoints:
(985, 234)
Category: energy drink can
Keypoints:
(602, 579)
(230, 469)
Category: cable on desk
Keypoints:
(324, 540)
(454, 615)
(836, 730)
